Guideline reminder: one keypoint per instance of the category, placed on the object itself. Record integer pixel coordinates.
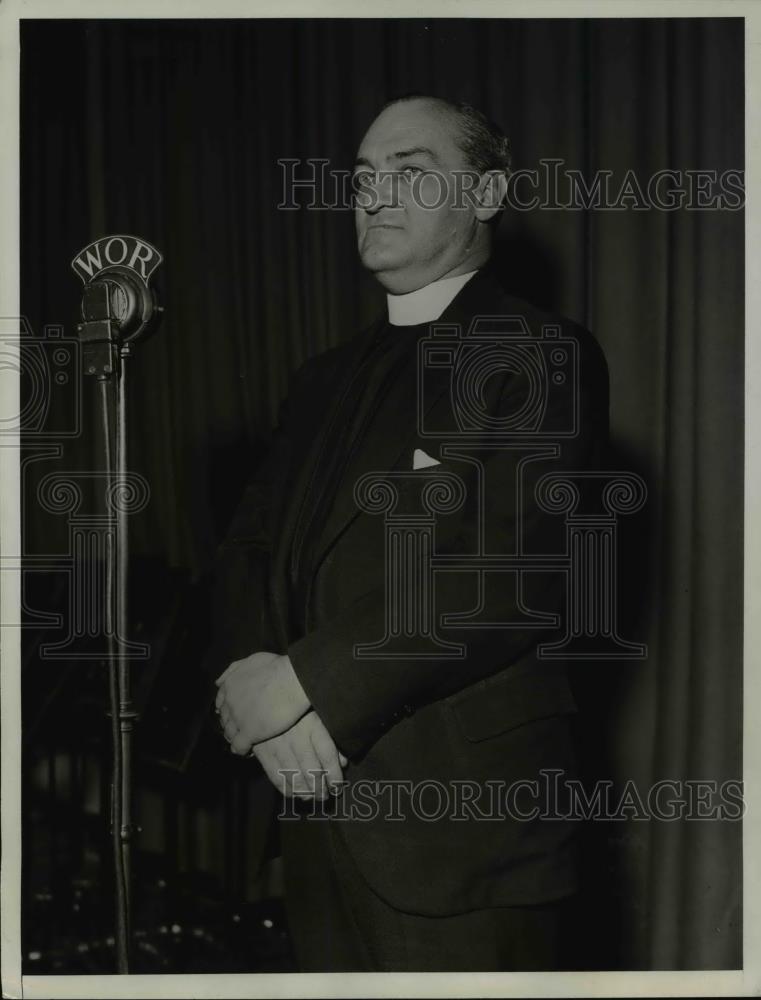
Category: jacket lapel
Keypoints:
(297, 470)
(393, 449)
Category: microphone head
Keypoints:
(115, 271)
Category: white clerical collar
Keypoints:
(425, 304)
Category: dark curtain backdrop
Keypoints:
(172, 131)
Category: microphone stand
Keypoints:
(126, 713)
(116, 309)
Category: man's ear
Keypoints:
(490, 194)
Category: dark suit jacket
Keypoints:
(497, 714)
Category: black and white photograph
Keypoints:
(375, 402)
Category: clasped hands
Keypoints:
(265, 713)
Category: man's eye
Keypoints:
(364, 178)
(409, 172)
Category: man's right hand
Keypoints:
(303, 761)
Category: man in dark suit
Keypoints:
(394, 714)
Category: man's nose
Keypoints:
(380, 192)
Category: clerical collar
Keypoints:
(425, 304)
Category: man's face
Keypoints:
(406, 162)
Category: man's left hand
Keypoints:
(259, 697)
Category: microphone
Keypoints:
(119, 305)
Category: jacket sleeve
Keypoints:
(241, 614)
(359, 699)
(240, 598)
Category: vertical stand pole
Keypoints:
(126, 713)
(121, 711)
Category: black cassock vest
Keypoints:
(384, 370)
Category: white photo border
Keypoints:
(746, 982)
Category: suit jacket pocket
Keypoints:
(523, 693)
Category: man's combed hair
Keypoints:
(482, 141)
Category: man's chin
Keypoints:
(380, 259)
(395, 281)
